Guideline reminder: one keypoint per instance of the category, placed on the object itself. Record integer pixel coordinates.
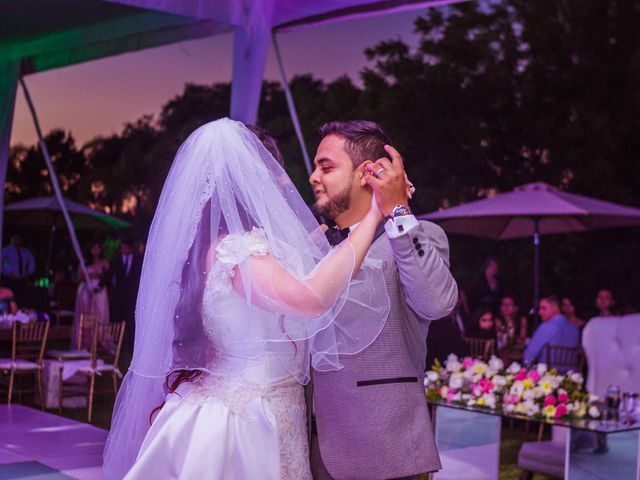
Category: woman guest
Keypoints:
(92, 298)
(7, 301)
(512, 327)
(483, 324)
(569, 311)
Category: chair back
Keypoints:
(564, 359)
(86, 329)
(106, 342)
(29, 341)
(612, 348)
(480, 347)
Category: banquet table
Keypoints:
(468, 440)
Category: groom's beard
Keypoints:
(332, 207)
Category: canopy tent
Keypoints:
(38, 36)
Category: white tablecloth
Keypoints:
(51, 381)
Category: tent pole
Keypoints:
(536, 269)
(9, 74)
(291, 105)
(56, 185)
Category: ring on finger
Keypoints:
(379, 171)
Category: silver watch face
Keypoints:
(401, 210)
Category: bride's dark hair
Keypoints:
(189, 334)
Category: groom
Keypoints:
(371, 417)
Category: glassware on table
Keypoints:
(613, 403)
(629, 405)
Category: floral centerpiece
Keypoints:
(535, 392)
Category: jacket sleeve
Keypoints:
(422, 258)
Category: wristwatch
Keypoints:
(399, 211)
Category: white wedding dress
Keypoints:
(247, 423)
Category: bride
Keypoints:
(239, 298)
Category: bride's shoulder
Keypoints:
(236, 247)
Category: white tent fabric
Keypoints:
(255, 19)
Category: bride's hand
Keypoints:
(374, 209)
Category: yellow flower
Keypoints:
(481, 401)
(549, 411)
(479, 368)
(520, 408)
(546, 387)
(527, 383)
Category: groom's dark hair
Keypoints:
(364, 140)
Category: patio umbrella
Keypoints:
(532, 210)
(46, 212)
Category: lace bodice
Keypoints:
(229, 319)
(248, 373)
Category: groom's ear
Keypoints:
(363, 170)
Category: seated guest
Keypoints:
(445, 335)
(7, 301)
(555, 331)
(511, 326)
(483, 324)
(569, 311)
(606, 303)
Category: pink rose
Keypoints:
(534, 376)
(563, 398)
(561, 410)
(550, 400)
(467, 362)
(522, 375)
(486, 385)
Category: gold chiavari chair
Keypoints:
(480, 347)
(27, 351)
(564, 359)
(106, 345)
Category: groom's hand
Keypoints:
(388, 180)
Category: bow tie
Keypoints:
(336, 235)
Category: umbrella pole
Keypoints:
(50, 252)
(536, 269)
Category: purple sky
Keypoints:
(97, 98)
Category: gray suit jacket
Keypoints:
(371, 416)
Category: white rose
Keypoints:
(532, 410)
(594, 412)
(456, 381)
(529, 394)
(432, 376)
(496, 364)
(542, 368)
(509, 408)
(514, 368)
(452, 358)
(499, 381)
(576, 377)
(454, 366)
(489, 400)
